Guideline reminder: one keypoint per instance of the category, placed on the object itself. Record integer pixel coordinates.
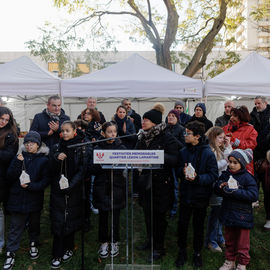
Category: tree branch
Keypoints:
(207, 43)
(198, 32)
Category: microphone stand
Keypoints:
(102, 140)
(82, 146)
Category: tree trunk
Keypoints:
(163, 57)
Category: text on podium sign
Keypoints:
(129, 156)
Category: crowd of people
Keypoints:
(219, 166)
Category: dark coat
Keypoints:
(66, 206)
(222, 120)
(6, 155)
(40, 124)
(236, 209)
(93, 130)
(197, 193)
(207, 123)
(129, 142)
(178, 132)
(137, 120)
(102, 183)
(162, 179)
(261, 122)
(29, 199)
(184, 118)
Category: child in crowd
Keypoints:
(239, 189)
(66, 202)
(195, 190)
(102, 195)
(220, 145)
(27, 175)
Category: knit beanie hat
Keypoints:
(243, 156)
(202, 106)
(155, 115)
(176, 113)
(32, 136)
(179, 102)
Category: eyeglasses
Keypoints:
(87, 113)
(187, 133)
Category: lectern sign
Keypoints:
(128, 156)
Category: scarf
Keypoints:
(149, 135)
(53, 116)
(120, 123)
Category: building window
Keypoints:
(83, 67)
(107, 64)
(54, 68)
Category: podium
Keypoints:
(129, 160)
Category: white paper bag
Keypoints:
(24, 178)
(63, 182)
(232, 183)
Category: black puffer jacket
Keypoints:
(162, 180)
(177, 131)
(6, 155)
(102, 184)
(261, 122)
(66, 205)
(207, 123)
(29, 199)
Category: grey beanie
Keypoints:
(32, 136)
(179, 102)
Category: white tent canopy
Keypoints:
(249, 77)
(133, 77)
(23, 77)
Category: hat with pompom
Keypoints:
(244, 157)
(155, 115)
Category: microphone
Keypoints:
(140, 132)
(102, 140)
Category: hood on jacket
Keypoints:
(43, 149)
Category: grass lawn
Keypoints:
(260, 246)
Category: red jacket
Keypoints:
(247, 135)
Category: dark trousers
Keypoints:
(185, 213)
(237, 244)
(159, 226)
(61, 244)
(17, 225)
(266, 199)
(104, 223)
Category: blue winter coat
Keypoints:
(202, 158)
(236, 209)
(29, 199)
(40, 124)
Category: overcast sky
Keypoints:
(20, 19)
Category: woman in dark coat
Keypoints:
(125, 126)
(8, 149)
(199, 115)
(102, 194)
(177, 131)
(155, 137)
(93, 129)
(66, 201)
